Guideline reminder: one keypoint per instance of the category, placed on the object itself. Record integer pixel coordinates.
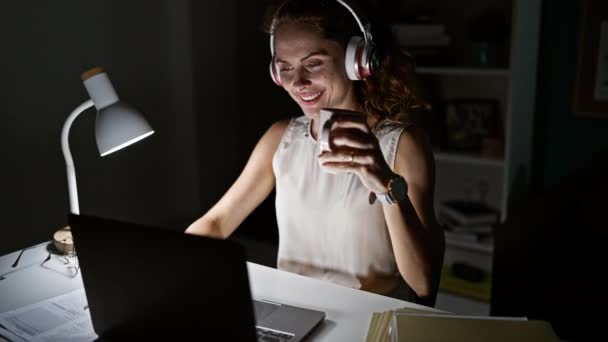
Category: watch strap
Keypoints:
(385, 198)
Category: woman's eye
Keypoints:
(312, 66)
(285, 68)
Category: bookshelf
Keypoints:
(508, 78)
(506, 75)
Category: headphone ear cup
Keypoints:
(352, 57)
(274, 73)
(373, 60)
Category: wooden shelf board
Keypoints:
(468, 159)
(485, 247)
(463, 71)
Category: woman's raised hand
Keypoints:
(354, 148)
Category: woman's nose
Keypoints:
(301, 79)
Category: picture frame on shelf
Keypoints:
(472, 126)
(591, 89)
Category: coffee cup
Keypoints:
(326, 122)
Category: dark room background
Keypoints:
(199, 71)
(563, 142)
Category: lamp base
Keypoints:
(63, 241)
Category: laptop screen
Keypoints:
(143, 281)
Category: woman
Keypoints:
(328, 227)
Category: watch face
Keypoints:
(399, 188)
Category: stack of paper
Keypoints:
(380, 324)
(379, 327)
(417, 325)
(429, 327)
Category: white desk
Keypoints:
(348, 311)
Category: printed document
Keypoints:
(63, 318)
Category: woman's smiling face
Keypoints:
(312, 69)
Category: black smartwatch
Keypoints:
(397, 191)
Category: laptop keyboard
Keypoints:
(265, 335)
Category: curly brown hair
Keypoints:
(390, 94)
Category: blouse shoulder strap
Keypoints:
(297, 126)
(388, 136)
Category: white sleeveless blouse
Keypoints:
(327, 228)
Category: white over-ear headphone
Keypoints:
(360, 58)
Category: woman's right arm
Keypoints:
(251, 188)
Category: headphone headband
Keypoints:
(365, 28)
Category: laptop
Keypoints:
(143, 282)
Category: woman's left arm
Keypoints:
(416, 237)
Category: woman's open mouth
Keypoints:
(310, 99)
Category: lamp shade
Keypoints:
(119, 125)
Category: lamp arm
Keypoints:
(67, 155)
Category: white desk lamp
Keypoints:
(117, 126)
